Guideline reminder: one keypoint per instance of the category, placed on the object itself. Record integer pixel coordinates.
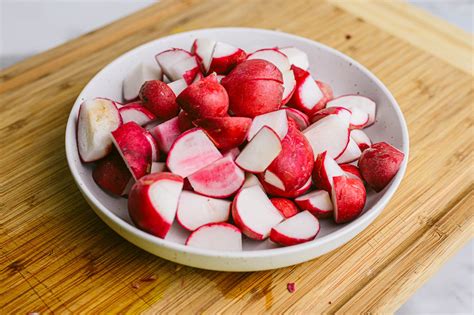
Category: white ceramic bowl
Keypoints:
(341, 72)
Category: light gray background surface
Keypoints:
(30, 27)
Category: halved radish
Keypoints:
(96, 119)
(191, 151)
(300, 118)
(186, 69)
(296, 57)
(276, 120)
(272, 179)
(166, 134)
(136, 112)
(225, 57)
(111, 174)
(273, 55)
(203, 48)
(286, 207)
(359, 104)
(307, 95)
(317, 202)
(350, 154)
(157, 167)
(233, 153)
(153, 201)
(254, 213)
(259, 153)
(168, 58)
(178, 86)
(289, 86)
(274, 191)
(348, 198)
(155, 151)
(340, 112)
(137, 76)
(298, 229)
(226, 132)
(325, 168)
(133, 144)
(216, 236)
(251, 180)
(220, 179)
(329, 134)
(361, 138)
(195, 210)
(351, 171)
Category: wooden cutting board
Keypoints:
(58, 256)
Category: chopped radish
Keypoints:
(289, 85)
(359, 106)
(361, 138)
(317, 202)
(276, 120)
(136, 112)
(153, 201)
(350, 154)
(329, 134)
(340, 112)
(299, 117)
(159, 99)
(111, 174)
(379, 164)
(169, 58)
(225, 132)
(195, 210)
(348, 198)
(273, 180)
(254, 213)
(286, 207)
(190, 152)
(251, 180)
(307, 95)
(273, 55)
(259, 153)
(133, 144)
(298, 229)
(157, 167)
(233, 153)
(96, 119)
(274, 191)
(186, 69)
(184, 121)
(178, 86)
(325, 168)
(225, 57)
(216, 236)
(155, 151)
(296, 57)
(137, 76)
(220, 179)
(203, 48)
(166, 134)
(327, 93)
(351, 171)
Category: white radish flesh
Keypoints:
(216, 236)
(299, 228)
(276, 120)
(350, 154)
(328, 134)
(296, 57)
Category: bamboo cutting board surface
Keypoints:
(57, 256)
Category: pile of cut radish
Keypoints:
(228, 143)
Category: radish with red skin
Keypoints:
(166, 134)
(272, 55)
(158, 167)
(220, 179)
(254, 213)
(203, 48)
(195, 210)
(259, 153)
(317, 202)
(276, 120)
(286, 207)
(96, 119)
(225, 58)
(351, 171)
(294, 164)
(361, 138)
(159, 99)
(350, 154)
(300, 228)
(111, 174)
(155, 151)
(274, 191)
(136, 112)
(254, 70)
(186, 69)
(191, 151)
(137, 76)
(348, 197)
(328, 93)
(360, 106)
(300, 118)
(329, 134)
(184, 121)
(340, 112)
(379, 164)
(205, 98)
(325, 168)
(133, 144)
(168, 58)
(225, 132)
(307, 96)
(153, 200)
(296, 57)
(216, 236)
(289, 86)
(272, 179)
(233, 153)
(177, 86)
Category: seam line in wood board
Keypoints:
(409, 243)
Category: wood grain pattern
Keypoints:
(57, 256)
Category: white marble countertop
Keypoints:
(30, 27)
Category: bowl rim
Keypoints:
(369, 215)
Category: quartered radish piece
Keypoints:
(273, 180)
(195, 210)
(272, 55)
(289, 86)
(178, 86)
(350, 154)
(168, 58)
(276, 120)
(166, 134)
(225, 57)
(340, 112)
(286, 207)
(307, 95)
(298, 229)
(348, 197)
(359, 106)
(136, 112)
(325, 169)
(216, 236)
(361, 138)
(186, 69)
(299, 117)
(296, 57)
(203, 48)
(351, 171)
(329, 134)
(317, 202)
(137, 76)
